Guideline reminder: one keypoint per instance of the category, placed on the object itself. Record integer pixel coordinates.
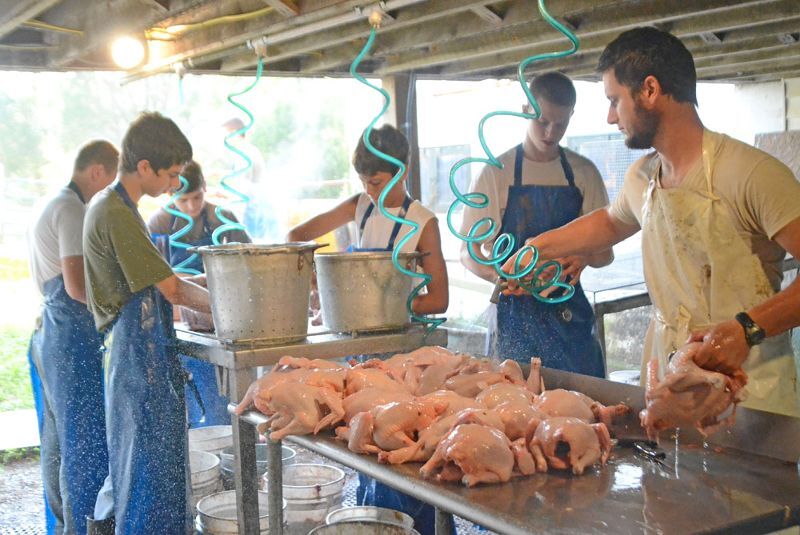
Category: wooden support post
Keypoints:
(402, 113)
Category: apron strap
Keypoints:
(518, 155)
(395, 230)
(562, 156)
(74, 187)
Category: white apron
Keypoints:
(700, 272)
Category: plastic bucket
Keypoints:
(365, 513)
(359, 527)
(216, 514)
(212, 439)
(311, 492)
(262, 452)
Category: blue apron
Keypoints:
(561, 334)
(371, 492)
(204, 404)
(146, 417)
(68, 353)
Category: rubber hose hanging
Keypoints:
(485, 227)
(432, 323)
(227, 223)
(174, 238)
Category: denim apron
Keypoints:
(560, 334)
(67, 352)
(146, 417)
(204, 404)
(371, 492)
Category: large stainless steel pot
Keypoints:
(259, 291)
(363, 291)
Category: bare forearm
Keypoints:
(486, 273)
(590, 235)
(600, 258)
(192, 296)
(780, 312)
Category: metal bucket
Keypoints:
(366, 513)
(262, 462)
(360, 527)
(216, 514)
(204, 467)
(212, 438)
(311, 492)
(363, 291)
(259, 292)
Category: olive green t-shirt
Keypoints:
(119, 258)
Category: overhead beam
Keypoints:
(605, 20)
(287, 8)
(308, 22)
(429, 36)
(15, 12)
(789, 60)
(337, 42)
(735, 25)
(105, 21)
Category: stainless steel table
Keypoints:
(239, 361)
(743, 481)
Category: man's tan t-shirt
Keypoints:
(762, 194)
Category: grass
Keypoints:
(15, 382)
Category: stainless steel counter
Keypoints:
(239, 361)
(750, 485)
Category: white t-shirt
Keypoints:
(761, 192)
(495, 182)
(56, 233)
(378, 228)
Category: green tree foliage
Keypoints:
(275, 132)
(335, 160)
(21, 151)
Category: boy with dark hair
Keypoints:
(66, 350)
(717, 218)
(214, 410)
(130, 289)
(539, 187)
(378, 232)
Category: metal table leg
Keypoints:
(275, 484)
(244, 466)
(444, 523)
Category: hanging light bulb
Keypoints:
(127, 52)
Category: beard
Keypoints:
(644, 128)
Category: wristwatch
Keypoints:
(753, 334)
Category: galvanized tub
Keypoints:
(262, 462)
(211, 438)
(216, 514)
(259, 292)
(311, 492)
(366, 513)
(360, 527)
(363, 291)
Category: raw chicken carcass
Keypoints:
(364, 400)
(299, 409)
(359, 378)
(560, 402)
(570, 443)
(517, 417)
(389, 427)
(472, 454)
(502, 392)
(455, 402)
(471, 384)
(690, 396)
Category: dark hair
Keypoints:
(97, 151)
(154, 138)
(193, 174)
(641, 52)
(555, 88)
(386, 139)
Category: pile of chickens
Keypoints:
(470, 420)
(690, 396)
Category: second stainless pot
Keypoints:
(363, 291)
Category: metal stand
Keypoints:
(240, 359)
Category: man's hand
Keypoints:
(572, 266)
(724, 347)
